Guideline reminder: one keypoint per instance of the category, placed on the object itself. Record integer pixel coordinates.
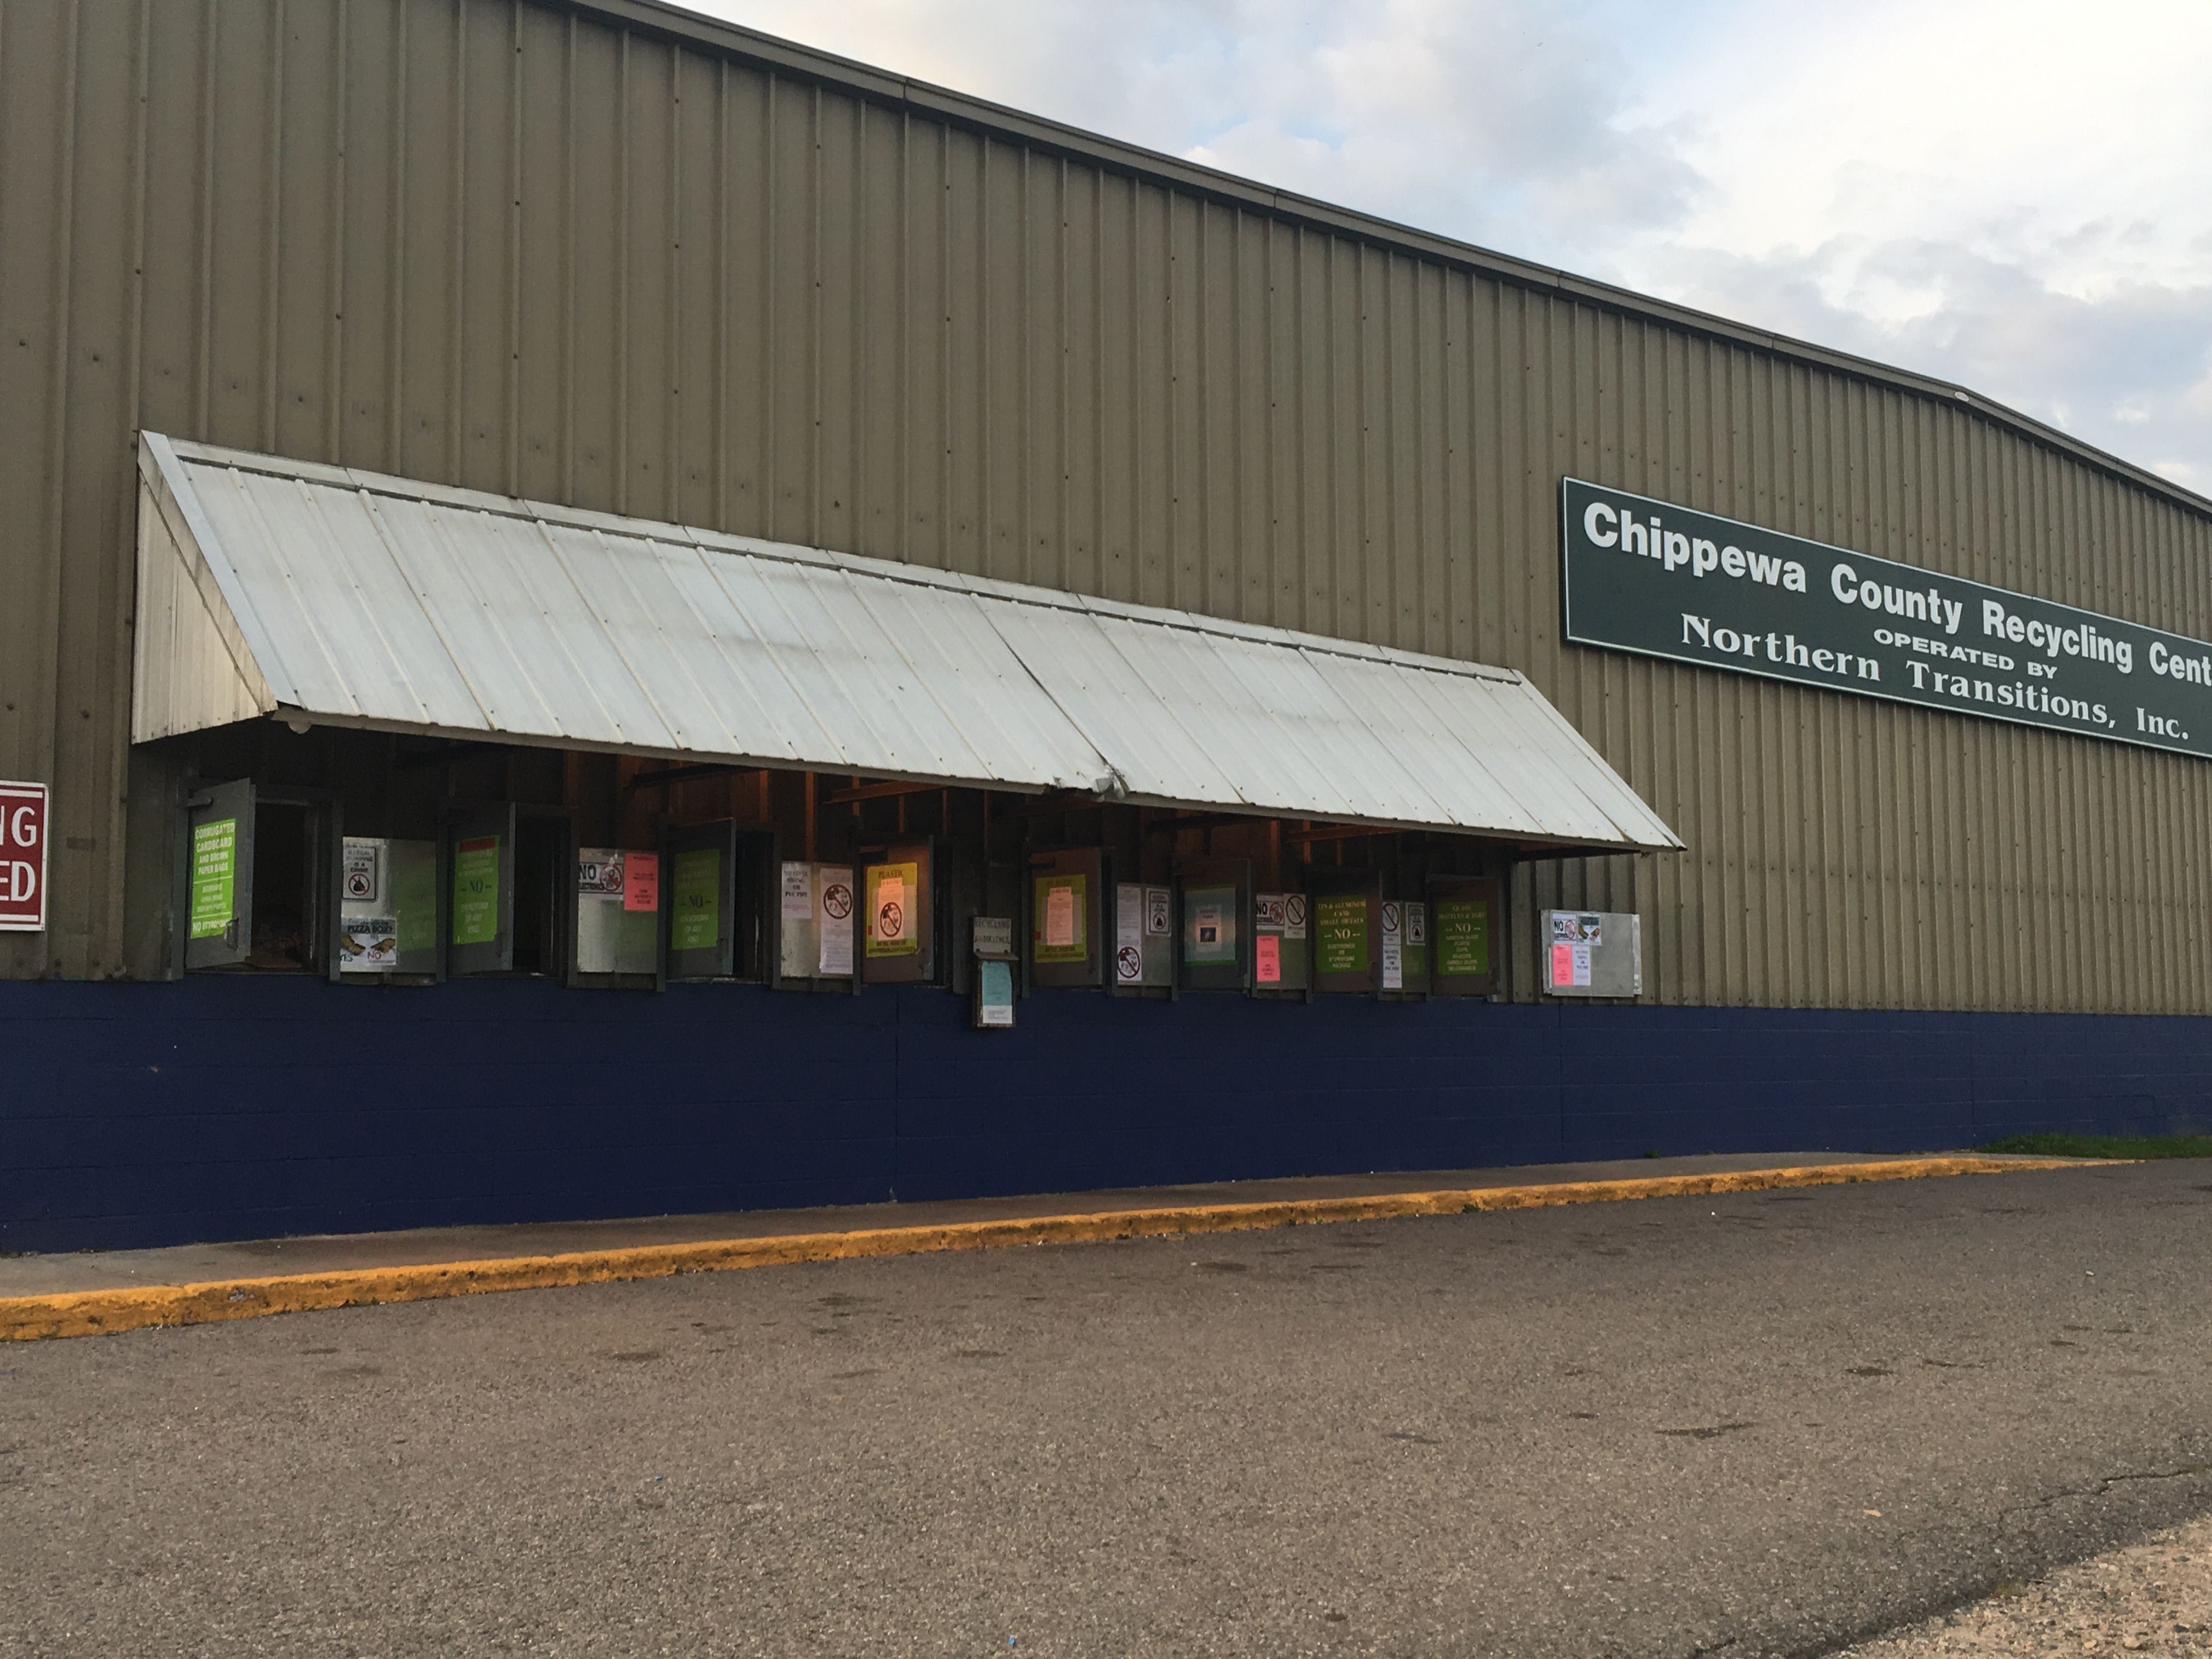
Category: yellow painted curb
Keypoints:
(94, 1313)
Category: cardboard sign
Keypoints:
(23, 815)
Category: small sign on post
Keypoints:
(23, 817)
(993, 1007)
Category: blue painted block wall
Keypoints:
(236, 1107)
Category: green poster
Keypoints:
(476, 890)
(414, 895)
(215, 877)
(1059, 932)
(1340, 934)
(1463, 938)
(696, 915)
(894, 910)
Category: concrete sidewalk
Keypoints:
(76, 1272)
(99, 1293)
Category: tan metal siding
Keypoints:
(502, 244)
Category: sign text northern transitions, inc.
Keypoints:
(1664, 580)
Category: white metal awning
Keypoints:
(322, 594)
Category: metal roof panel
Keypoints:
(374, 600)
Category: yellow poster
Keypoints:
(894, 908)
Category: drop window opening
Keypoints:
(286, 915)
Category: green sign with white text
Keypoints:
(215, 878)
(1340, 934)
(696, 901)
(1664, 580)
(1463, 938)
(476, 890)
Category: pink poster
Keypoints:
(1563, 964)
(641, 881)
(1269, 948)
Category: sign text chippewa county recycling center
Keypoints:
(1651, 577)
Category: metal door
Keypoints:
(1066, 912)
(1214, 896)
(480, 915)
(898, 897)
(1465, 935)
(699, 900)
(1345, 913)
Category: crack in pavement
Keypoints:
(2103, 1485)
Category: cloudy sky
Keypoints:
(2016, 195)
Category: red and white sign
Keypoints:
(22, 857)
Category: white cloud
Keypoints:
(2013, 194)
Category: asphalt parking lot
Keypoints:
(1760, 1424)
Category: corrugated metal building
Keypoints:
(659, 272)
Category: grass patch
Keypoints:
(2056, 1144)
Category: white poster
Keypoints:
(1582, 964)
(1158, 901)
(368, 945)
(1393, 951)
(599, 871)
(1128, 934)
(833, 918)
(362, 869)
(1059, 919)
(894, 915)
(1576, 927)
(797, 903)
(1294, 915)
